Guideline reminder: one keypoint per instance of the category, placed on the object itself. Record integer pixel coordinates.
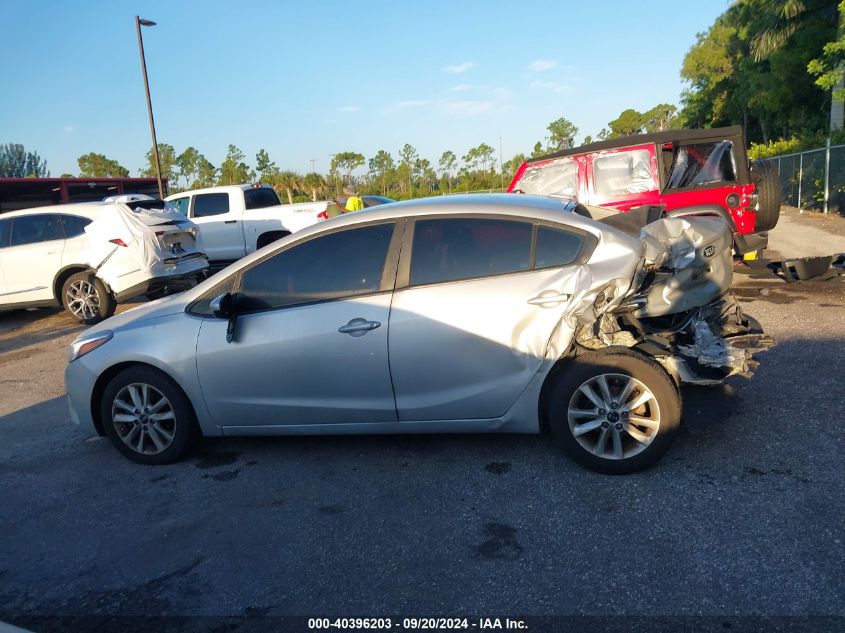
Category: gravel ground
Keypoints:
(743, 517)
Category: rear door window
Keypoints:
(260, 198)
(206, 204)
(462, 248)
(335, 266)
(699, 164)
(31, 229)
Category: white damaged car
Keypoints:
(454, 314)
(88, 257)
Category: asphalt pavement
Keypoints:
(743, 517)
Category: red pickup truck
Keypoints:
(685, 171)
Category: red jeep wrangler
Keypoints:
(686, 172)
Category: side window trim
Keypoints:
(56, 220)
(403, 276)
(386, 284)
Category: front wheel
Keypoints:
(615, 411)
(147, 417)
(87, 298)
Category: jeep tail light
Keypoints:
(119, 242)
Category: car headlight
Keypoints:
(82, 346)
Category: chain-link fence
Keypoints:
(814, 179)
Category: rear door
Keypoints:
(218, 217)
(32, 257)
(476, 303)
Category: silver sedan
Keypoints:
(500, 313)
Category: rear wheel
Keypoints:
(147, 417)
(615, 411)
(764, 174)
(87, 299)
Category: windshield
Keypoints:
(557, 178)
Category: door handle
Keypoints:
(358, 327)
(230, 222)
(548, 299)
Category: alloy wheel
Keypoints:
(83, 300)
(144, 418)
(613, 416)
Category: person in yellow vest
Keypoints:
(353, 202)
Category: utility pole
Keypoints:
(501, 164)
(313, 162)
(139, 22)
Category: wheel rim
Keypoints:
(83, 300)
(613, 416)
(144, 418)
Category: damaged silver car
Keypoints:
(462, 314)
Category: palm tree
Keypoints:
(315, 182)
(782, 18)
(287, 181)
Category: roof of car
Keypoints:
(667, 136)
(219, 189)
(520, 206)
(88, 209)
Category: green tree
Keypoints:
(265, 167)
(407, 157)
(561, 135)
(206, 176)
(510, 167)
(315, 183)
(829, 67)
(448, 162)
(16, 162)
(287, 181)
(587, 140)
(233, 170)
(169, 164)
(190, 162)
(93, 165)
(628, 123)
(347, 162)
(538, 150)
(661, 117)
(381, 169)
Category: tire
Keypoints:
(267, 238)
(640, 444)
(87, 298)
(764, 174)
(140, 436)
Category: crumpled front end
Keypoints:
(680, 309)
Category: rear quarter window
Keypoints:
(74, 225)
(698, 164)
(623, 173)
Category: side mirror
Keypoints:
(222, 307)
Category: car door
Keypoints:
(32, 257)
(310, 342)
(476, 302)
(220, 228)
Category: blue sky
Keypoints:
(305, 80)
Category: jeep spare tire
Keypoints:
(764, 175)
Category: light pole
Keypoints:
(139, 22)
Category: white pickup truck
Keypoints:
(239, 219)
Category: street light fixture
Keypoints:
(139, 22)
